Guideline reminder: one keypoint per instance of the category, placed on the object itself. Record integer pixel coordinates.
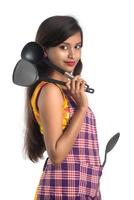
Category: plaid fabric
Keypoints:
(77, 177)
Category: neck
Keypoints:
(58, 76)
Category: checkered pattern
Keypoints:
(77, 177)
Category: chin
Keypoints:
(70, 71)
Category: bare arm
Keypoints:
(58, 143)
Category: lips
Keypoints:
(70, 63)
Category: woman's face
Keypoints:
(67, 54)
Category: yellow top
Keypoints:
(36, 112)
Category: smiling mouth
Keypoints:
(70, 63)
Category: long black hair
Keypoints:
(51, 32)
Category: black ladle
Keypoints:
(110, 145)
(25, 72)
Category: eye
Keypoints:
(64, 47)
(78, 46)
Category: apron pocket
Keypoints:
(89, 179)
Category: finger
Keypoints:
(68, 84)
(77, 76)
(78, 85)
(73, 84)
(82, 88)
(68, 80)
(84, 82)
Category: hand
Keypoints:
(76, 87)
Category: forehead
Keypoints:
(74, 39)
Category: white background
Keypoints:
(108, 60)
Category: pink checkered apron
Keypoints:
(78, 176)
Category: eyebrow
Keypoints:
(69, 43)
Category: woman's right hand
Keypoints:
(76, 87)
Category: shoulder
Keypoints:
(50, 93)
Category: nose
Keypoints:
(71, 53)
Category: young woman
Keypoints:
(59, 119)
